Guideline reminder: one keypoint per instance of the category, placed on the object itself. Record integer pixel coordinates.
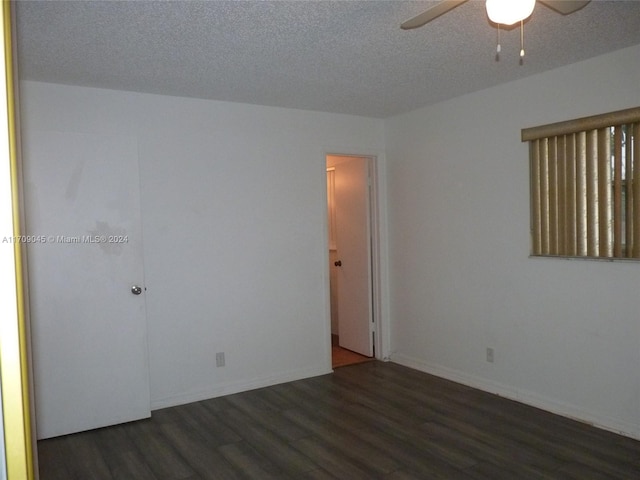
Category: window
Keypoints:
(585, 186)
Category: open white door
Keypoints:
(85, 255)
(353, 242)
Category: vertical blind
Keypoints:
(585, 186)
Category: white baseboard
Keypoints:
(523, 396)
(236, 387)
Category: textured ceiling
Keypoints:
(336, 56)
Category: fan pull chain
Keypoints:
(498, 47)
(521, 40)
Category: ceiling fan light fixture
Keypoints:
(509, 12)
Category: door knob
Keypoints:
(338, 263)
(136, 290)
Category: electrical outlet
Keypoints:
(489, 355)
(220, 359)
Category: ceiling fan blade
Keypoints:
(564, 7)
(434, 12)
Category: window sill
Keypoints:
(595, 259)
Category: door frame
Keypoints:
(380, 326)
(18, 445)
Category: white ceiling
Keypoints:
(336, 56)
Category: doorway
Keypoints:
(350, 208)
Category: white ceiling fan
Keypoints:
(502, 12)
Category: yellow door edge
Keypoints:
(14, 360)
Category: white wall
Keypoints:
(233, 205)
(234, 224)
(566, 333)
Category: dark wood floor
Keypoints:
(366, 421)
